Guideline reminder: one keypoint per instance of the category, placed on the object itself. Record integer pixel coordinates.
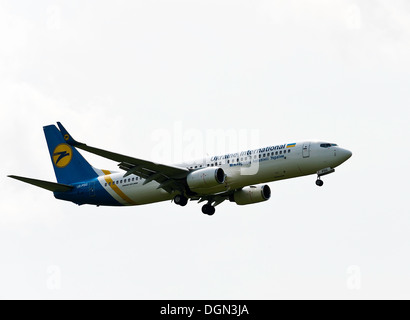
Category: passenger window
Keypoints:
(260, 156)
(280, 152)
(105, 184)
(216, 163)
(264, 155)
(228, 161)
(109, 183)
(268, 154)
(212, 164)
(289, 151)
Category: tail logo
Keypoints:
(62, 155)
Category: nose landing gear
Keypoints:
(321, 173)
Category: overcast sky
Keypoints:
(159, 80)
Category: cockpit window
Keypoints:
(328, 145)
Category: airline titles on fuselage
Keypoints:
(248, 153)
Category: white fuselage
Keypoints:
(241, 169)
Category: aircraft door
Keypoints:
(306, 150)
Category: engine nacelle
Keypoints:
(205, 178)
(252, 194)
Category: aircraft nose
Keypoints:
(344, 154)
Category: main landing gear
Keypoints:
(208, 209)
(181, 200)
(321, 173)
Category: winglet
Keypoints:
(67, 137)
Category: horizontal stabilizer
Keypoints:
(51, 186)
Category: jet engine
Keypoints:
(252, 194)
(205, 178)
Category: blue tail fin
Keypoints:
(69, 165)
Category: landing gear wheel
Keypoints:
(319, 182)
(180, 200)
(208, 209)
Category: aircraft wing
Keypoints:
(169, 177)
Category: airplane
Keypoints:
(238, 177)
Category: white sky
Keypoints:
(133, 76)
